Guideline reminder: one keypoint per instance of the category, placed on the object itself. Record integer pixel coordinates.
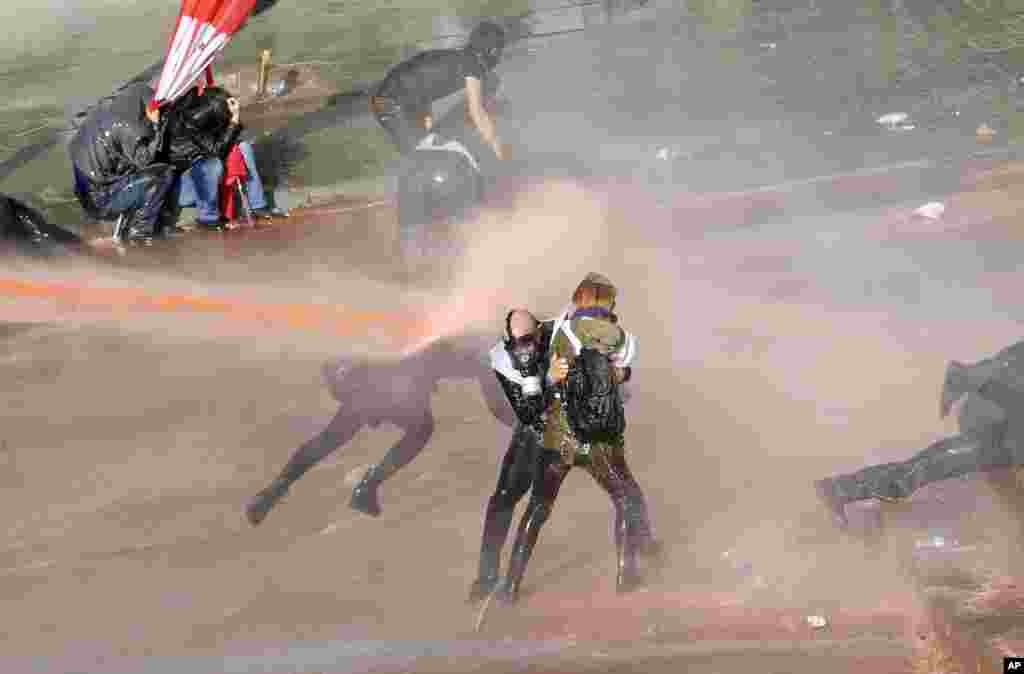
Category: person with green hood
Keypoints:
(584, 426)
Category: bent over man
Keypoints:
(402, 101)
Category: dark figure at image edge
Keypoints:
(26, 227)
(592, 322)
(991, 438)
(372, 393)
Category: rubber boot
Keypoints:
(496, 526)
(258, 508)
(526, 539)
(364, 497)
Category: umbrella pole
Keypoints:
(264, 73)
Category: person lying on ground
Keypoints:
(991, 440)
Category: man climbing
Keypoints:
(401, 102)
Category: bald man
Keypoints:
(519, 361)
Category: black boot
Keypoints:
(364, 496)
(831, 499)
(526, 539)
(482, 588)
(496, 525)
(258, 508)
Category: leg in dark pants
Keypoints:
(339, 432)
(400, 123)
(950, 457)
(551, 472)
(418, 431)
(632, 529)
(142, 195)
(609, 469)
(514, 480)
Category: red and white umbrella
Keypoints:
(203, 29)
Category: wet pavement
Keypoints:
(790, 332)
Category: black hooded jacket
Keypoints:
(117, 139)
(189, 140)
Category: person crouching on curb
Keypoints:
(204, 128)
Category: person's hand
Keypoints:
(558, 370)
(235, 108)
(499, 150)
(153, 115)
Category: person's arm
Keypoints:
(492, 392)
(139, 144)
(481, 118)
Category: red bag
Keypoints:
(235, 175)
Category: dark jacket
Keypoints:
(188, 141)
(529, 410)
(116, 140)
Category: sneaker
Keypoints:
(212, 226)
(258, 508)
(263, 214)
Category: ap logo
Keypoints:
(1015, 665)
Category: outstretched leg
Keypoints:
(948, 458)
(417, 435)
(340, 431)
(514, 480)
(551, 472)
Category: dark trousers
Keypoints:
(609, 469)
(985, 445)
(514, 480)
(417, 430)
(948, 458)
(142, 195)
(403, 124)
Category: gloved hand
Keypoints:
(558, 370)
(235, 108)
